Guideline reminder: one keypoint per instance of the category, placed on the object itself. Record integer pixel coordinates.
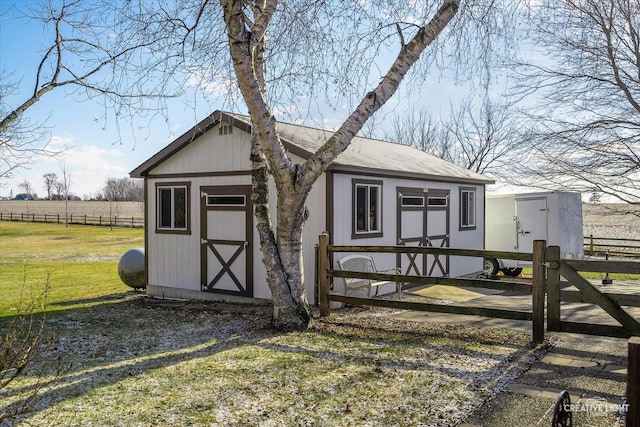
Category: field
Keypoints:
(611, 220)
(77, 264)
(130, 360)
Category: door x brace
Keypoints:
(226, 265)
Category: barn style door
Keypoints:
(412, 229)
(438, 219)
(423, 220)
(226, 240)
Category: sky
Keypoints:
(94, 150)
(97, 149)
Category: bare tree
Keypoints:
(27, 189)
(59, 189)
(123, 189)
(50, 180)
(482, 138)
(422, 130)
(135, 192)
(485, 138)
(20, 138)
(115, 190)
(247, 30)
(585, 91)
(25, 345)
(65, 188)
(271, 55)
(81, 56)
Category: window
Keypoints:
(467, 208)
(412, 201)
(438, 201)
(221, 200)
(367, 209)
(173, 207)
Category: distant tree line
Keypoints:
(57, 188)
(114, 189)
(122, 190)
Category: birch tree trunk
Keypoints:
(282, 249)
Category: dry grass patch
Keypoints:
(143, 362)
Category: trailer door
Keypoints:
(531, 217)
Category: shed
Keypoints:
(200, 237)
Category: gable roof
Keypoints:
(364, 155)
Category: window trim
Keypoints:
(464, 192)
(356, 183)
(228, 203)
(407, 197)
(431, 202)
(173, 185)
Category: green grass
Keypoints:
(76, 265)
(130, 360)
(149, 362)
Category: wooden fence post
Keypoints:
(633, 383)
(537, 291)
(553, 288)
(325, 308)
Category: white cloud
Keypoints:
(60, 143)
(89, 166)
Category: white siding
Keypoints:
(210, 152)
(174, 259)
(343, 217)
(316, 224)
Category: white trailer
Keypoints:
(514, 221)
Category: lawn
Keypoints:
(128, 360)
(78, 265)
